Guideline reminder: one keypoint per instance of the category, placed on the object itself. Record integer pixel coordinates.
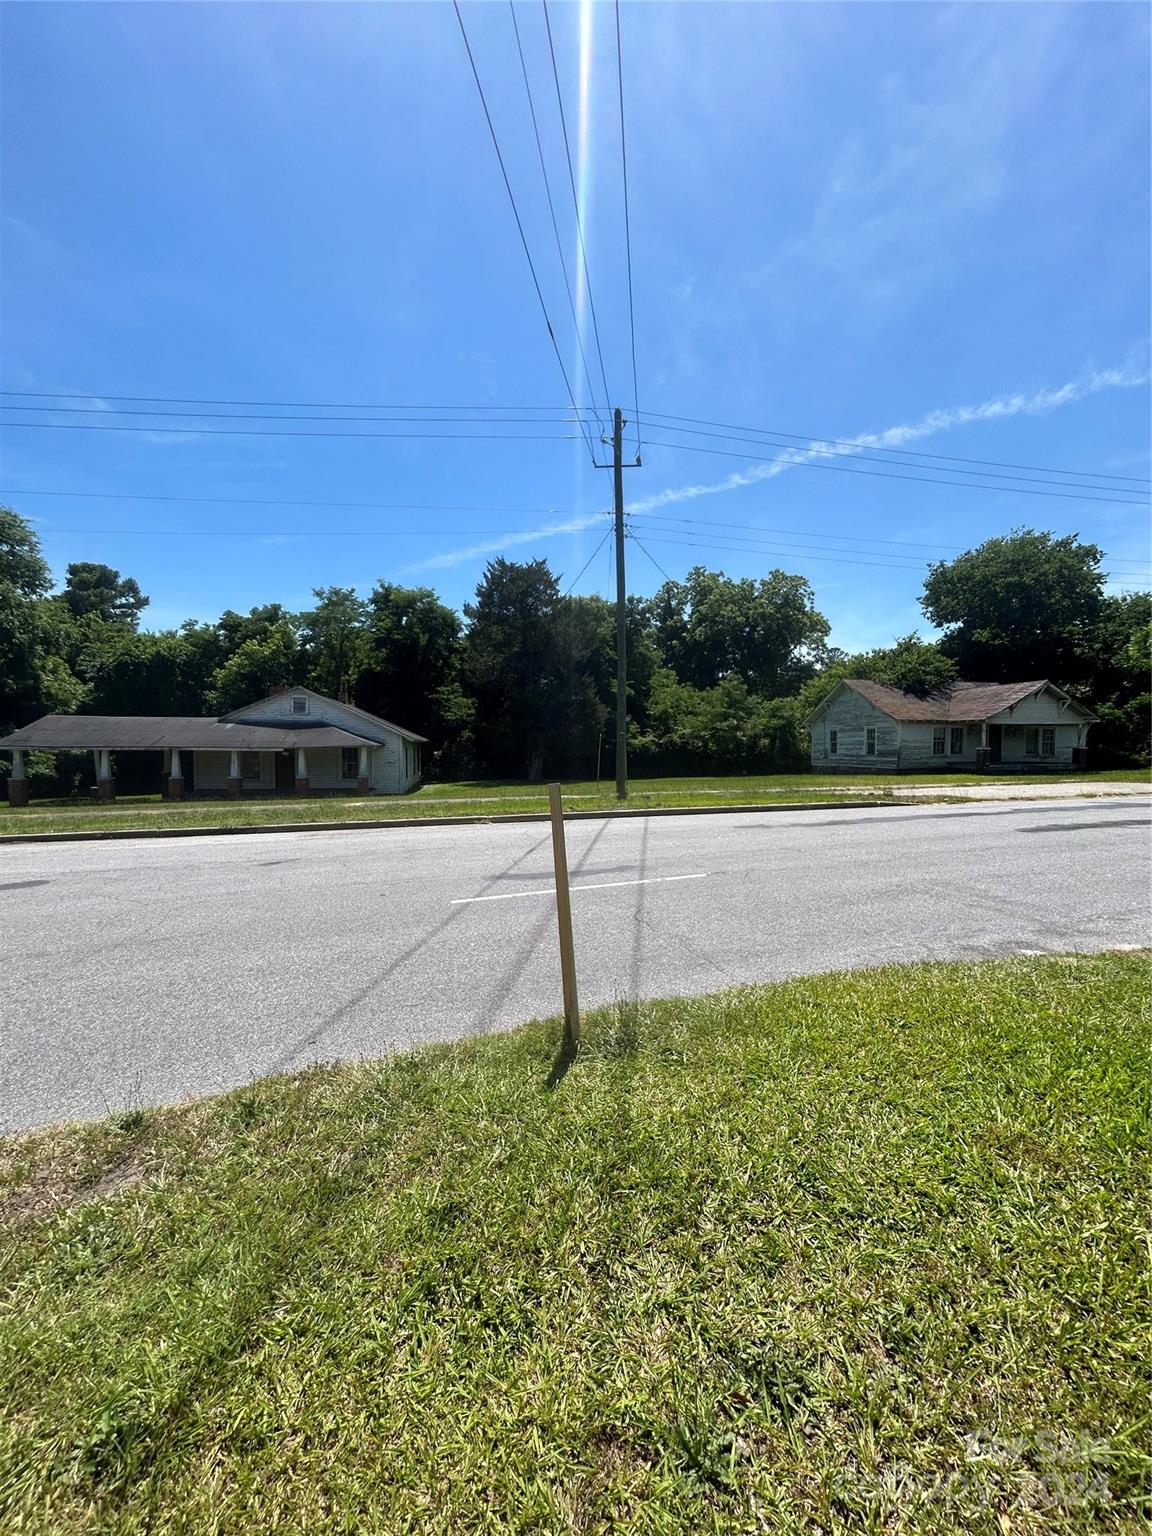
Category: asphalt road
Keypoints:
(149, 971)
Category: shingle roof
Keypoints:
(142, 733)
(959, 702)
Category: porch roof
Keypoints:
(150, 733)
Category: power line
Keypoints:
(745, 549)
(519, 223)
(416, 421)
(586, 564)
(915, 452)
(847, 469)
(465, 420)
(291, 533)
(660, 518)
(352, 405)
(575, 202)
(652, 519)
(282, 501)
(818, 451)
(627, 232)
(555, 224)
(705, 522)
(912, 561)
(649, 555)
(317, 405)
(692, 532)
(80, 426)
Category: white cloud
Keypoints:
(936, 155)
(998, 408)
(508, 540)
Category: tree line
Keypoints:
(521, 684)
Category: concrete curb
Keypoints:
(124, 833)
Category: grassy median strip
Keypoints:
(265, 813)
(850, 1252)
(483, 798)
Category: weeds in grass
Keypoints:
(846, 1253)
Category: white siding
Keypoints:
(1043, 708)
(851, 716)
(212, 771)
(916, 752)
(388, 768)
(319, 711)
(1015, 744)
(323, 764)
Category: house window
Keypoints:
(956, 741)
(250, 767)
(833, 738)
(299, 705)
(937, 741)
(1048, 741)
(349, 762)
(870, 741)
(1032, 741)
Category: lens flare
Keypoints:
(582, 155)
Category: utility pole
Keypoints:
(621, 611)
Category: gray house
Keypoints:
(294, 740)
(873, 728)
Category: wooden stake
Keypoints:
(564, 921)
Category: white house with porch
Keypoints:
(294, 740)
(869, 727)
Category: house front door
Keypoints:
(995, 743)
(285, 770)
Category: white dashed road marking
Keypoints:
(602, 885)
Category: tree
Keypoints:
(726, 729)
(132, 673)
(412, 654)
(99, 589)
(34, 678)
(767, 632)
(334, 639)
(235, 628)
(532, 705)
(1019, 607)
(411, 673)
(23, 568)
(261, 663)
(1118, 690)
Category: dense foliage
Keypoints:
(721, 672)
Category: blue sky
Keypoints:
(846, 219)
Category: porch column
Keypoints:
(175, 776)
(17, 783)
(364, 781)
(301, 771)
(235, 782)
(105, 788)
(982, 749)
(1079, 751)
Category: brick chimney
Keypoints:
(342, 696)
(277, 689)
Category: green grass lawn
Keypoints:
(484, 798)
(851, 1253)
